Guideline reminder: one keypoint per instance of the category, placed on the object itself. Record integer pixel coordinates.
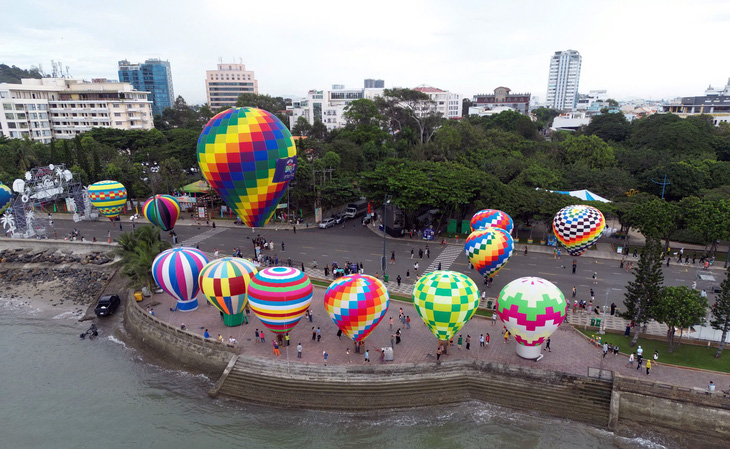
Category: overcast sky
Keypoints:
(636, 48)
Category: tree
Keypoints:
(416, 106)
(465, 105)
(592, 151)
(656, 219)
(301, 127)
(609, 127)
(545, 117)
(709, 218)
(645, 289)
(679, 307)
(721, 312)
(138, 250)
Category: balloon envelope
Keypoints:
(224, 282)
(489, 249)
(248, 157)
(280, 296)
(356, 303)
(162, 211)
(578, 227)
(492, 218)
(6, 196)
(176, 271)
(109, 197)
(531, 308)
(445, 300)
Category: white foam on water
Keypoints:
(113, 339)
(68, 315)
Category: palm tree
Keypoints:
(138, 250)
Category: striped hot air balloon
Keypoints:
(224, 283)
(162, 211)
(280, 296)
(6, 197)
(109, 197)
(356, 303)
(176, 271)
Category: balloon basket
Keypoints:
(529, 352)
(234, 320)
(187, 306)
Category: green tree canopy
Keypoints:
(679, 307)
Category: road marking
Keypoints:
(342, 251)
(533, 264)
(309, 247)
(446, 258)
(546, 274)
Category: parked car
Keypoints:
(339, 218)
(327, 223)
(106, 305)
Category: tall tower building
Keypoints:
(562, 91)
(153, 76)
(224, 85)
(374, 84)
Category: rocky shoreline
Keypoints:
(21, 255)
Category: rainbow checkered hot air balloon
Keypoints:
(492, 218)
(578, 227)
(489, 249)
(356, 303)
(6, 197)
(162, 211)
(280, 296)
(224, 283)
(248, 157)
(176, 271)
(109, 197)
(531, 308)
(446, 300)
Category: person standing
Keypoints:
(276, 347)
(282, 246)
(408, 321)
(411, 253)
(314, 334)
(574, 291)
(438, 353)
(547, 345)
(392, 341)
(487, 339)
(390, 321)
(630, 363)
(575, 265)
(468, 342)
(459, 341)
(258, 340)
(347, 352)
(605, 350)
(506, 336)
(324, 356)
(398, 279)
(648, 367)
(392, 257)
(367, 356)
(481, 340)
(639, 359)
(286, 337)
(299, 350)
(319, 334)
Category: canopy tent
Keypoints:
(584, 194)
(197, 186)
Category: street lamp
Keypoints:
(384, 262)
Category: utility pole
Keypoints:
(664, 184)
(384, 262)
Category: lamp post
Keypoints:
(602, 328)
(384, 262)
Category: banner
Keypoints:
(201, 212)
(318, 214)
(285, 169)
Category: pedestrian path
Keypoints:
(446, 258)
(192, 241)
(611, 322)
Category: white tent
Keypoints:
(584, 194)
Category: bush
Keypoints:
(687, 236)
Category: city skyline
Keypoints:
(631, 49)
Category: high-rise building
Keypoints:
(562, 92)
(224, 85)
(374, 84)
(153, 76)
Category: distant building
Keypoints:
(62, 108)
(224, 85)
(501, 98)
(374, 84)
(715, 102)
(153, 76)
(562, 91)
(570, 121)
(444, 102)
(328, 106)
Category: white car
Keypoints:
(327, 223)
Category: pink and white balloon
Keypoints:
(176, 271)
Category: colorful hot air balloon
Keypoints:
(248, 157)
(356, 303)
(224, 283)
(492, 218)
(446, 300)
(176, 271)
(531, 308)
(280, 296)
(578, 227)
(109, 197)
(162, 212)
(6, 197)
(489, 249)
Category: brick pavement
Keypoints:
(571, 351)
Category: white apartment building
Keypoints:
(224, 85)
(562, 91)
(444, 102)
(329, 106)
(61, 108)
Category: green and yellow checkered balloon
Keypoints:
(446, 300)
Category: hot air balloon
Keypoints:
(531, 308)
(492, 218)
(6, 197)
(248, 157)
(489, 249)
(578, 227)
(224, 283)
(280, 296)
(109, 197)
(162, 212)
(176, 271)
(446, 300)
(356, 303)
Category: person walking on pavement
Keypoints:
(319, 334)
(630, 363)
(547, 345)
(324, 356)
(398, 279)
(390, 321)
(282, 245)
(347, 353)
(367, 356)
(299, 351)
(648, 367)
(392, 257)
(481, 340)
(494, 318)
(459, 341)
(314, 334)
(408, 322)
(468, 342)
(487, 339)
(605, 350)
(575, 265)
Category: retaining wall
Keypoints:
(57, 245)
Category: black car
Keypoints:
(107, 305)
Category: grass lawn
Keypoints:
(684, 355)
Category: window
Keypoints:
(116, 105)
(117, 114)
(118, 123)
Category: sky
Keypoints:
(633, 49)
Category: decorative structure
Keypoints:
(356, 303)
(488, 250)
(248, 157)
(492, 218)
(578, 227)
(224, 283)
(162, 211)
(280, 296)
(176, 271)
(109, 197)
(445, 300)
(531, 309)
